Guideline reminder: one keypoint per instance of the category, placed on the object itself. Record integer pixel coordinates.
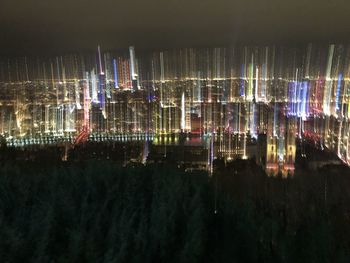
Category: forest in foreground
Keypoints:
(100, 211)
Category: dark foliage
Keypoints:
(99, 211)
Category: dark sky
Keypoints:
(56, 26)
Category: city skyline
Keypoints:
(174, 131)
(228, 96)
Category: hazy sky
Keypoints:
(46, 26)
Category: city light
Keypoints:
(228, 96)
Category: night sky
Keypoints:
(56, 26)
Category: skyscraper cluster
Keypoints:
(227, 97)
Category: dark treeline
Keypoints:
(100, 211)
(305, 218)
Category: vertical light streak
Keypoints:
(94, 87)
(115, 68)
(107, 77)
(64, 80)
(337, 97)
(251, 80)
(99, 59)
(257, 95)
(183, 112)
(198, 93)
(47, 120)
(304, 101)
(242, 84)
(328, 85)
(132, 63)
(308, 58)
(77, 94)
(86, 106)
